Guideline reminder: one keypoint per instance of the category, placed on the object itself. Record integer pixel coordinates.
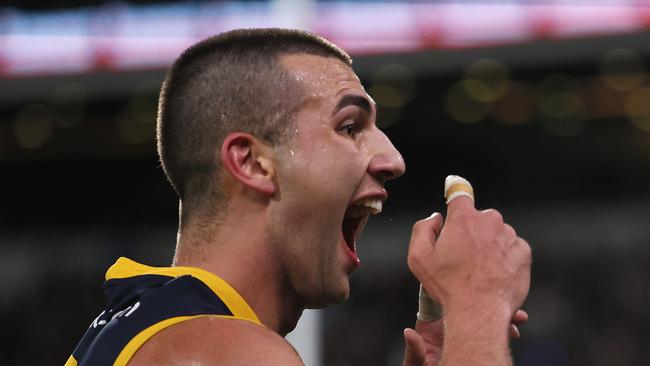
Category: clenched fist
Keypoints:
(474, 261)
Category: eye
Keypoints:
(349, 128)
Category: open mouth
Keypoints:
(352, 229)
(355, 219)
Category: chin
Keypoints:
(341, 296)
(329, 296)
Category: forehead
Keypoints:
(322, 76)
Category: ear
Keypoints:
(249, 161)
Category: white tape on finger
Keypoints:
(456, 186)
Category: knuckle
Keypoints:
(525, 249)
(493, 215)
(412, 253)
(413, 261)
(409, 261)
(510, 230)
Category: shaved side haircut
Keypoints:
(229, 82)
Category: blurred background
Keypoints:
(543, 105)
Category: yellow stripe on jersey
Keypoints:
(125, 267)
(71, 361)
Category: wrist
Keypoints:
(474, 333)
(491, 315)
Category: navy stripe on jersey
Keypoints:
(134, 304)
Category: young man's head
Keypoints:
(278, 122)
(230, 82)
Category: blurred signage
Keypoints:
(123, 37)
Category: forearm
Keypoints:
(481, 341)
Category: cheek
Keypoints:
(316, 182)
(325, 166)
(340, 163)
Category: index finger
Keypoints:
(459, 194)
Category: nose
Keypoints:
(386, 163)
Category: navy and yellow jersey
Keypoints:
(143, 300)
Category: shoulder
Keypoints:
(216, 341)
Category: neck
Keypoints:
(244, 259)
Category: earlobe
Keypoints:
(249, 162)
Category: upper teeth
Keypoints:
(365, 206)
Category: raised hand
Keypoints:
(478, 269)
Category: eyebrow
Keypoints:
(356, 100)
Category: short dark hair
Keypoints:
(229, 82)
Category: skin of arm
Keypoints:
(480, 341)
(424, 343)
(216, 341)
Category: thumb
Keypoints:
(415, 353)
(459, 195)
